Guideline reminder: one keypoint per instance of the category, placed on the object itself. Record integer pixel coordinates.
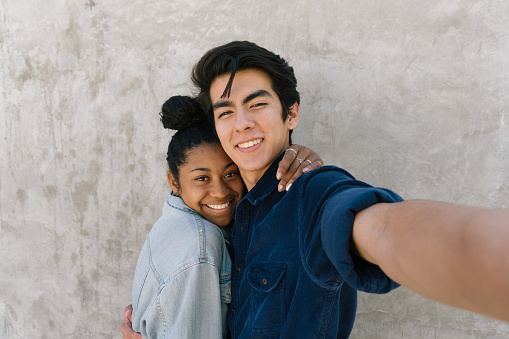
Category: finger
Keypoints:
(295, 162)
(312, 164)
(286, 162)
(294, 171)
(286, 167)
(128, 309)
(296, 168)
(128, 332)
(126, 328)
(297, 174)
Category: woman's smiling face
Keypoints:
(209, 183)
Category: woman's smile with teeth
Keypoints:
(250, 143)
(218, 207)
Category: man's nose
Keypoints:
(243, 120)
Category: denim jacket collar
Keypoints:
(176, 202)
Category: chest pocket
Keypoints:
(267, 298)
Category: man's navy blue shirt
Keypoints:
(293, 275)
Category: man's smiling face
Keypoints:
(249, 122)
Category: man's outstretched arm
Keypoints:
(453, 254)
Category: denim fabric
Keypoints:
(293, 275)
(181, 286)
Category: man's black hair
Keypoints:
(242, 55)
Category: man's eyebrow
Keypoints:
(223, 103)
(229, 103)
(259, 93)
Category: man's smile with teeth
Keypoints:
(218, 207)
(250, 143)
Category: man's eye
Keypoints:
(222, 114)
(259, 104)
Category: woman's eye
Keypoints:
(231, 174)
(202, 178)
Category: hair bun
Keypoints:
(180, 112)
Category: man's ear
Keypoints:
(293, 116)
(173, 183)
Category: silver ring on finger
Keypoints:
(310, 162)
(300, 160)
(291, 149)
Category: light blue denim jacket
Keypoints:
(181, 285)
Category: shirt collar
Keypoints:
(177, 202)
(266, 185)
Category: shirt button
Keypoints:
(233, 310)
(264, 281)
(237, 268)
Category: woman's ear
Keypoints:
(173, 183)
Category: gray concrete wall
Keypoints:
(411, 95)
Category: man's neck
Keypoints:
(251, 177)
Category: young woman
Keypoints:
(181, 286)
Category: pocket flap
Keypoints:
(265, 277)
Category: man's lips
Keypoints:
(250, 143)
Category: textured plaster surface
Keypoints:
(410, 95)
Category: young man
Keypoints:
(299, 256)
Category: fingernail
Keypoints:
(279, 176)
(288, 187)
(280, 188)
(305, 170)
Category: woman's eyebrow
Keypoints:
(229, 165)
(208, 169)
(200, 169)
